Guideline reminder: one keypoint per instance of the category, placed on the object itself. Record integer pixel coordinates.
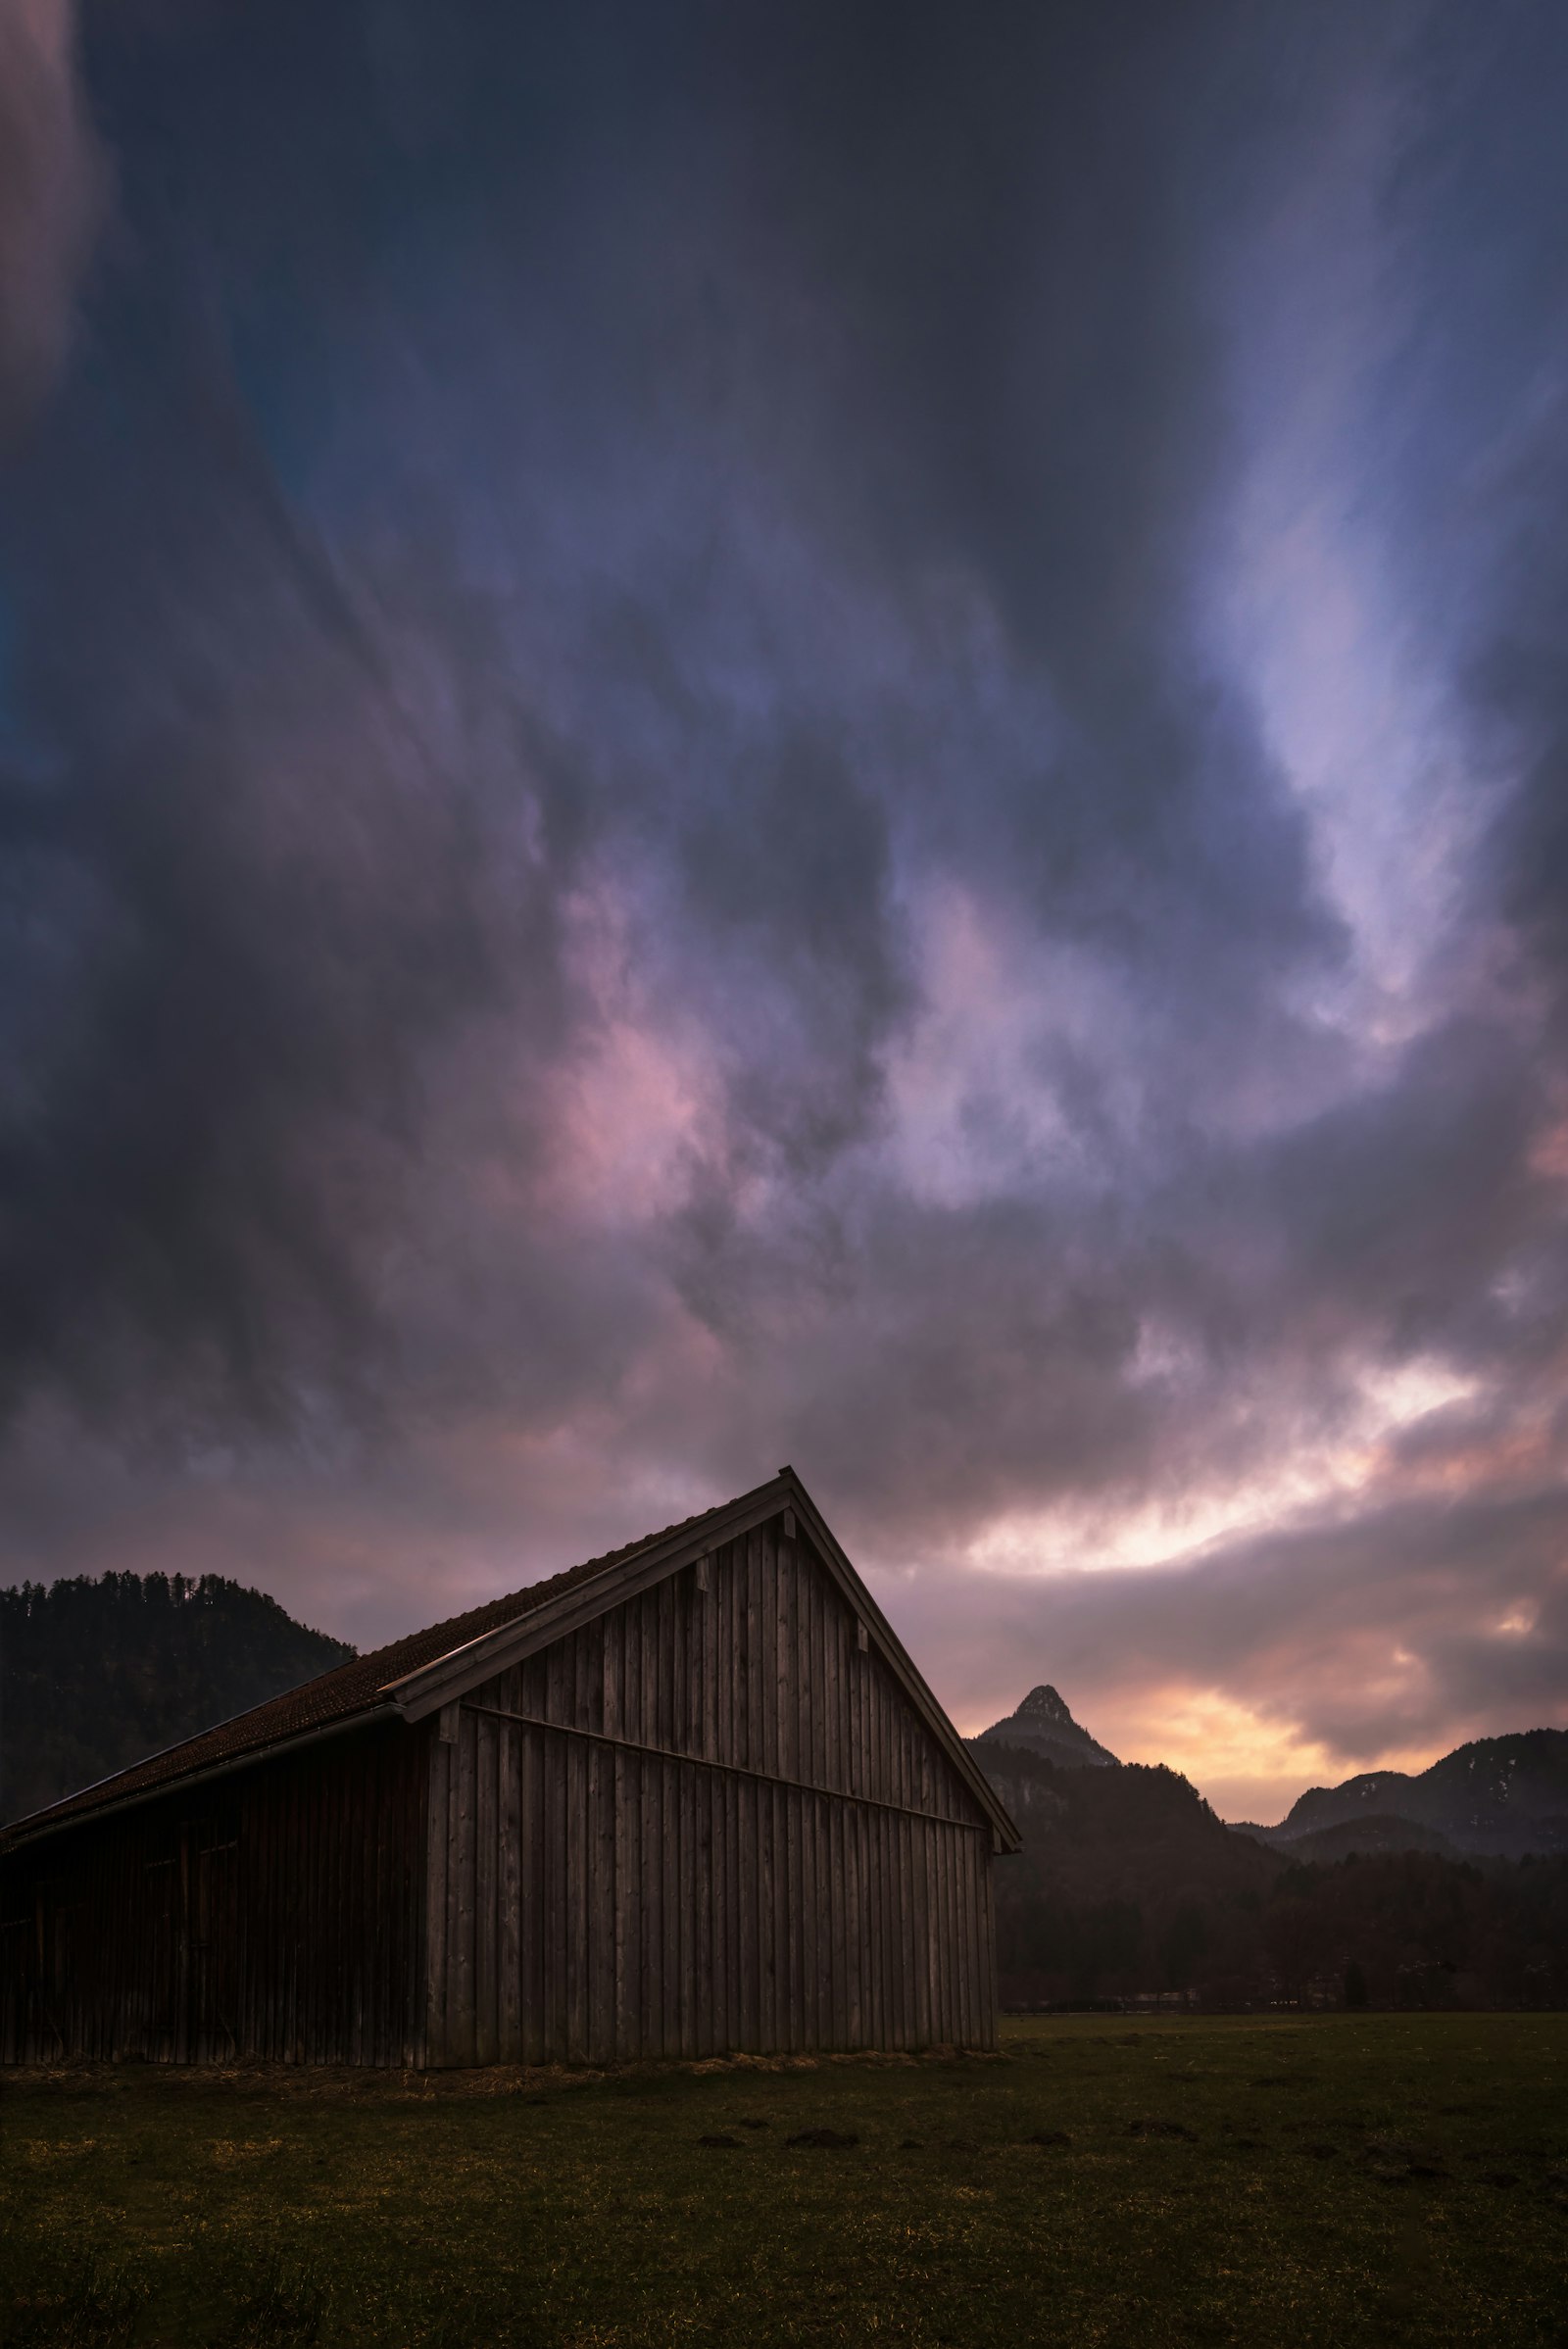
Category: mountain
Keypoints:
(1044, 1724)
(1128, 1887)
(1501, 1795)
(1376, 1832)
(1133, 1829)
(94, 1674)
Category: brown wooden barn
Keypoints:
(686, 1798)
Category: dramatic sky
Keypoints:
(831, 732)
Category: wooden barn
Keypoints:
(687, 1798)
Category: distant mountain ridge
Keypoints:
(95, 1674)
(1044, 1724)
(1377, 1833)
(1128, 1887)
(1504, 1795)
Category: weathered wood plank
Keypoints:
(821, 1925)
(578, 1862)
(641, 1925)
(795, 1922)
(487, 1832)
(537, 2029)
(558, 1895)
(669, 1774)
(727, 1962)
(993, 2017)
(914, 1945)
(599, 1831)
(951, 1931)
(462, 2017)
(508, 1944)
(686, 1827)
(837, 2022)
(768, 1693)
(708, 1663)
(623, 1800)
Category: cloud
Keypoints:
(51, 198)
(707, 758)
(1378, 1633)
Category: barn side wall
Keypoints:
(795, 1863)
(273, 1913)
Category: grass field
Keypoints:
(1253, 2180)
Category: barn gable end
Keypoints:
(709, 1817)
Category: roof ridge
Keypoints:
(361, 1680)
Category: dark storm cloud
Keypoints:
(633, 844)
(1472, 433)
(191, 633)
(990, 239)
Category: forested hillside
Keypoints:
(1127, 1882)
(1128, 1885)
(96, 1674)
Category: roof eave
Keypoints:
(24, 1832)
(907, 1672)
(425, 1690)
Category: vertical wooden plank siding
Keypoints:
(280, 1913)
(765, 1850)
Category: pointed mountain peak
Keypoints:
(1045, 1723)
(1044, 1704)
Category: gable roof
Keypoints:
(411, 1677)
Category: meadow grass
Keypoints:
(1255, 2180)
